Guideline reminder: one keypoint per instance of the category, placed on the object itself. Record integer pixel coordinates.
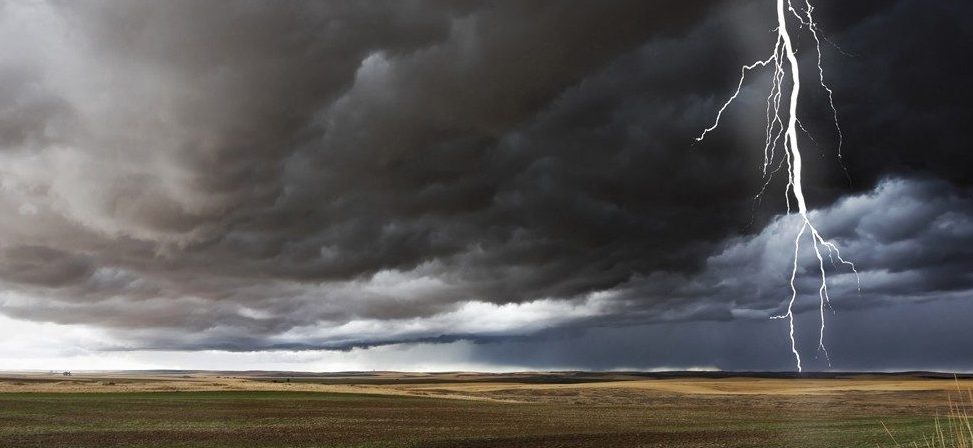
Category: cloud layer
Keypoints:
(187, 175)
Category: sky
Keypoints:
(466, 185)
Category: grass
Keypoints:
(314, 419)
(955, 430)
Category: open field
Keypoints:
(262, 409)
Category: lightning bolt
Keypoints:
(782, 133)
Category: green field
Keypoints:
(314, 419)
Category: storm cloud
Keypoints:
(327, 175)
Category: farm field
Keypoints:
(385, 409)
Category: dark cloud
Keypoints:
(244, 176)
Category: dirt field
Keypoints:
(262, 409)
